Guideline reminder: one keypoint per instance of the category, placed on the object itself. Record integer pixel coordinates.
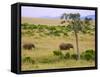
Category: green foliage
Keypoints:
(28, 60)
(47, 30)
(69, 27)
(61, 55)
(24, 26)
(87, 20)
(91, 51)
(88, 55)
(74, 56)
(65, 34)
(58, 30)
(88, 29)
(67, 55)
(57, 53)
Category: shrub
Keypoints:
(91, 51)
(65, 34)
(74, 56)
(24, 26)
(57, 53)
(67, 55)
(28, 60)
(88, 55)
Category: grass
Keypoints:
(58, 64)
(45, 45)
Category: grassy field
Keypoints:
(42, 57)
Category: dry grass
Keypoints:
(47, 44)
(57, 65)
(45, 47)
(42, 21)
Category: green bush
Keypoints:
(91, 51)
(74, 56)
(50, 30)
(28, 60)
(88, 55)
(24, 26)
(67, 55)
(65, 34)
(57, 53)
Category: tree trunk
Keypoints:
(77, 45)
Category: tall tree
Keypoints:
(75, 24)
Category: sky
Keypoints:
(42, 12)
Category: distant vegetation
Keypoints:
(53, 30)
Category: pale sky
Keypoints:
(42, 12)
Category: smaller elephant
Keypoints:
(65, 46)
(28, 46)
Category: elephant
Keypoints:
(28, 46)
(65, 46)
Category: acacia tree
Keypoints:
(75, 24)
